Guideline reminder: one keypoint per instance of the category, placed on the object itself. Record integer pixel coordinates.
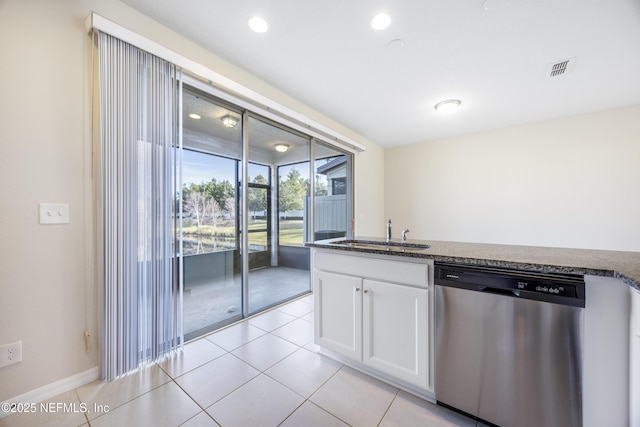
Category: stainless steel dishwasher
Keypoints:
(509, 345)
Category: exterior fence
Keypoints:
(330, 216)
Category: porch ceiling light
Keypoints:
(448, 106)
(281, 148)
(229, 121)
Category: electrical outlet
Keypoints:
(10, 354)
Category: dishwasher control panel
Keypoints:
(566, 289)
(547, 288)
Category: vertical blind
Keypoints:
(139, 101)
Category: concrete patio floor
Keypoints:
(207, 303)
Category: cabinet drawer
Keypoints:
(373, 268)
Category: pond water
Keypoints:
(194, 245)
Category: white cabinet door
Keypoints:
(634, 365)
(605, 360)
(395, 331)
(338, 313)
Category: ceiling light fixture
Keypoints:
(229, 121)
(281, 148)
(447, 107)
(259, 25)
(380, 21)
(195, 116)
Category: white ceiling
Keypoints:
(493, 55)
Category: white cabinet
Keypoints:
(395, 333)
(338, 322)
(634, 362)
(375, 312)
(605, 367)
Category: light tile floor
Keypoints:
(263, 371)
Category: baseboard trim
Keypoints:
(54, 389)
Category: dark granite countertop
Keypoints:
(621, 265)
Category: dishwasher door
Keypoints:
(510, 361)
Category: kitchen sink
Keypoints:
(380, 245)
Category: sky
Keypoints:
(199, 167)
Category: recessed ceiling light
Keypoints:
(380, 21)
(195, 116)
(257, 24)
(282, 147)
(448, 106)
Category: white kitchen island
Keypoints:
(375, 312)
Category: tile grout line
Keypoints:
(132, 399)
(227, 394)
(239, 386)
(261, 372)
(322, 385)
(194, 401)
(395, 396)
(75, 391)
(173, 379)
(264, 371)
(307, 399)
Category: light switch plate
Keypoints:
(54, 213)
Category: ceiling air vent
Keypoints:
(560, 68)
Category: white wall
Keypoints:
(47, 274)
(572, 182)
(369, 192)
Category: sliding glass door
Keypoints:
(212, 259)
(245, 253)
(279, 262)
(333, 210)
(259, 215)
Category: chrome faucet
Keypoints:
(404, 235)
(389, 230)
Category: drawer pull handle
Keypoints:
(357, 289)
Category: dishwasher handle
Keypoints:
(498, 291)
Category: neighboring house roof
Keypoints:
(333, 164)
